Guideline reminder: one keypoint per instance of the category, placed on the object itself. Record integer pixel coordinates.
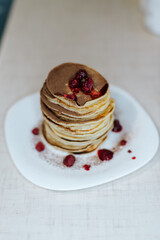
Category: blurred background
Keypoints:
(116, 37)
(4, 11)
(120, 39)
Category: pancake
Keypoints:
(58, 78)
(76, 121)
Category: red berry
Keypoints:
(95, 94)
(117, 126)
(69, 160)
(58, 94)
(76, 90)
(81, 74)
(105, 154)
(133, 158)
(123, 142)
(40, 147)
(74, 85)
(86, 85)
(70, 96)
(129, 151)
(86, 167)
(35, 131)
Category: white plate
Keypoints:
(138, 129)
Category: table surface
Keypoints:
(108, 36)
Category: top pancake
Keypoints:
(58, 79)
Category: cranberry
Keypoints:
(129, 151)
(69, 160)
(40, 147)
(81, 74)
(70, 96)
(86, 167)
(74, 85)
(58, 94)
(117, 126)
(35, 131)
(105, 154)
(86, 85)
(95, 94)
(134, 158)
(123, 142)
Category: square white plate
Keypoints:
(39, 168)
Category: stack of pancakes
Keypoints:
(75, 126)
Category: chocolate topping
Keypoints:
(58, 78)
